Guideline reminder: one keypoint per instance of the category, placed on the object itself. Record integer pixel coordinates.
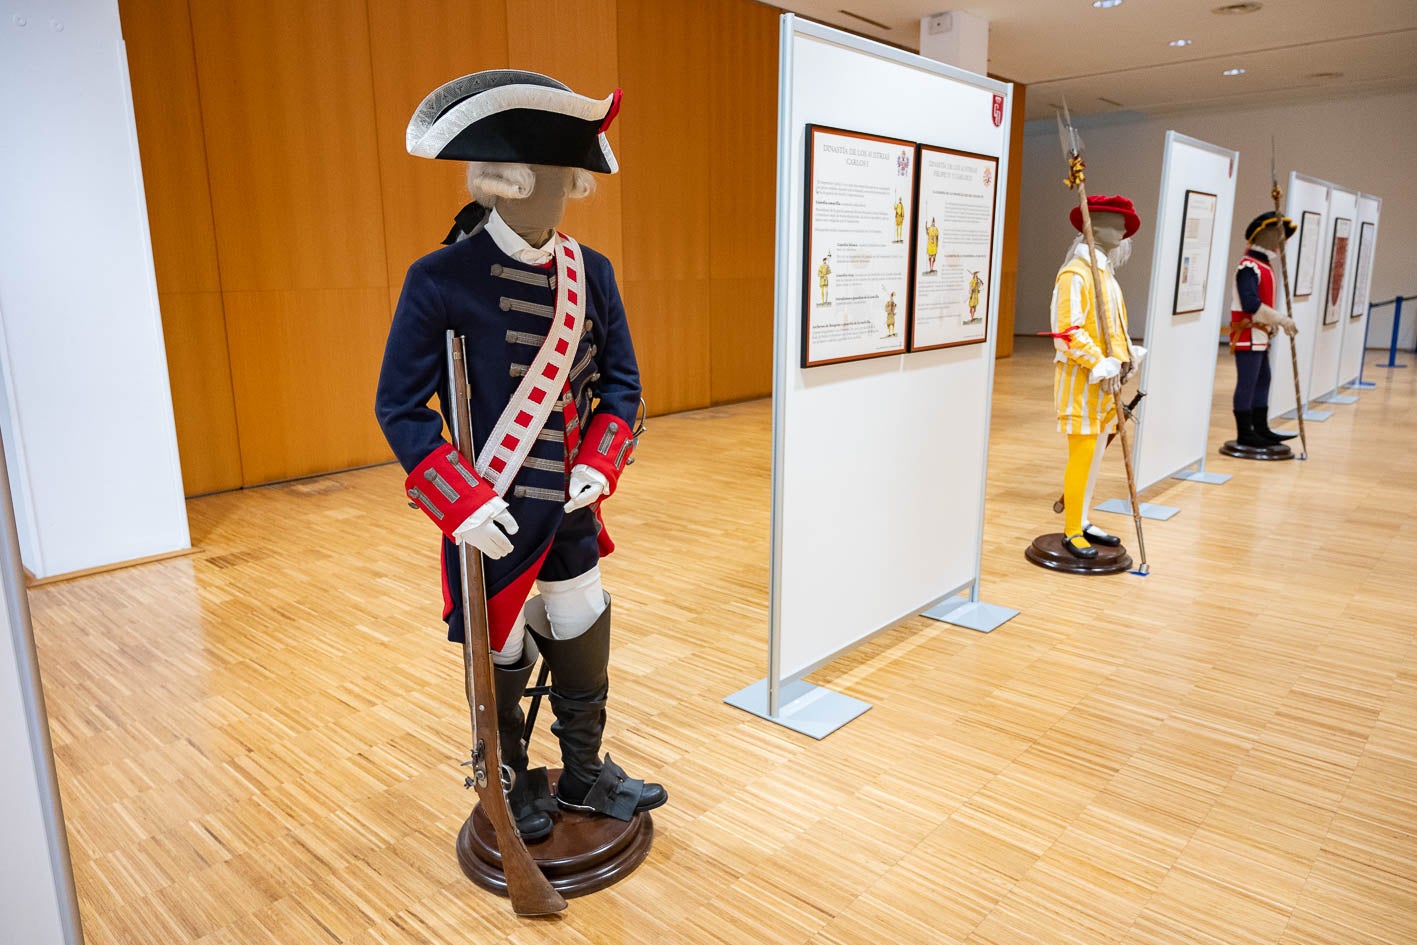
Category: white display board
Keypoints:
(85, 403)
(1178, 374)
(878, 465)
(1303, 194)
(1350, 362)
(37, 902)
(1328, 341)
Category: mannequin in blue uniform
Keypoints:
(552, 374)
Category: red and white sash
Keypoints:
(530, 407)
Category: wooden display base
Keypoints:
(584, 854)
(1233, 448)
(1047, 551)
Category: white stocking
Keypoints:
(511, 652)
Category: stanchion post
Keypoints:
(1396, 326)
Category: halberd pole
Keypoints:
(1277, 194)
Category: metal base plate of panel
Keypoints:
(1148, 510)
(802, 706)
(1200, 475)
(972, 615)
(1361, 385)
(1313, 416)
(1336, 399)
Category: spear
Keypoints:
(1072, 151)
(1276, 193)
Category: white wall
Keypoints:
(1365, 143)
(84, 398)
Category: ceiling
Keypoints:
(1118, 59)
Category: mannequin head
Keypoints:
(530, 198)
(1108, 230)
(1269, 239)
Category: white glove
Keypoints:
(1138, 353)
(587, 485)
(1289, 327)
(482, 532)
(1266, 317)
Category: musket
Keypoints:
(528, 888)
(1072, 151)
(1276, 193)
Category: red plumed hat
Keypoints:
(1118, 204)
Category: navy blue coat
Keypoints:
(503, 308)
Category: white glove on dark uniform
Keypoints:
(587, 485)
(487, 528)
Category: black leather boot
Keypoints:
(1259, 418)
(528, 793)
(580, 682)
(1246, 435)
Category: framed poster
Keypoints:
(856, 283)
(1364, 270)
(1308, 256)
(954, 236)
(1193, 266)
(1337, 269)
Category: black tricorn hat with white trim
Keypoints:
(1266, 220)
(516, 117)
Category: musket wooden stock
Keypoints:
(528, 888)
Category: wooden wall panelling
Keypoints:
(1013, 202)
(416, 46)
(742, 181)
(665, 63)
(579, 50)
(163, 74)
(288, 111)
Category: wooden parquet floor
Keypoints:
(259, 743)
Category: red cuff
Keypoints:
(607, 446)
(446, 489)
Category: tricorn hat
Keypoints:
(1099, 204)
(1266, 220)
(514, 116)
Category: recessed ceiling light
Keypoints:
(1179, 42)
(1106, 4)
(1235, 9)
(1233, 72)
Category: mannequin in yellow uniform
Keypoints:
(1085, 381)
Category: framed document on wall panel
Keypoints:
(1362, 271)
(1193, 264)
(856, 278)
(954, 236)
(1308, 255)
(1337, 269)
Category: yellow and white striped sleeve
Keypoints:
(1070, 316)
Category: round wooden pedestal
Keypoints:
(1232, 448)
(584, 854)
(1047, 551)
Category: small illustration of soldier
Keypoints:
(890, 316)
(932, 244)
(899, 220)
(975, 284)
(824, 272)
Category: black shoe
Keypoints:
(1096, 536)
(1259, 418)
(1245, 431)
(580, 683)
(1085, 552)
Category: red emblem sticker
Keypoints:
(998, 110)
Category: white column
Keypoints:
(959, 39)
(85, 403)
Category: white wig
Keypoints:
(1117, 258)
(488, 181)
